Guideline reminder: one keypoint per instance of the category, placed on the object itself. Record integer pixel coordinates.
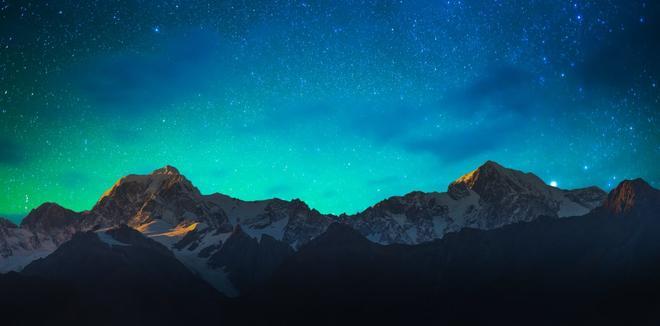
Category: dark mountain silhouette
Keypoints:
(598, 268)
(34, 301)
(118, 276)
(249, 262)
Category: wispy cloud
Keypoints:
(136, 82)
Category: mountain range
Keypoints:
(495, 239)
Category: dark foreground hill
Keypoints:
(110, 277)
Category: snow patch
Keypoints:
(109, 240)
(216, 277)
(275, 230)
(19, 260)
(168, 235)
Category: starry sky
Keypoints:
(338, 103)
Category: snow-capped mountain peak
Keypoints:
(167, 170)
(493, 181)
(159, 181)
(164, 194)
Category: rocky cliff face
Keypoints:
(7, 228)
(632, 197)
(164, 195)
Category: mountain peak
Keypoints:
(491, 164)
(49, 215)
(631, 195)
(493, 181)
(167, 170)
(637, 184)
(135, 199)
(340, 235)
(489, 169)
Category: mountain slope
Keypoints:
(123, 277)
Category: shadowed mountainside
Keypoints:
(110, 277)
(598, 268)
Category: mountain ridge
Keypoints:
(165, 206)
(399, 260)
(171, 170)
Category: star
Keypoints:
(416, 89)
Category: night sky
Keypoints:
(338, 103)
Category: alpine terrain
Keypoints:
(497, 238)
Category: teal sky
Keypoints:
(340, 104)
